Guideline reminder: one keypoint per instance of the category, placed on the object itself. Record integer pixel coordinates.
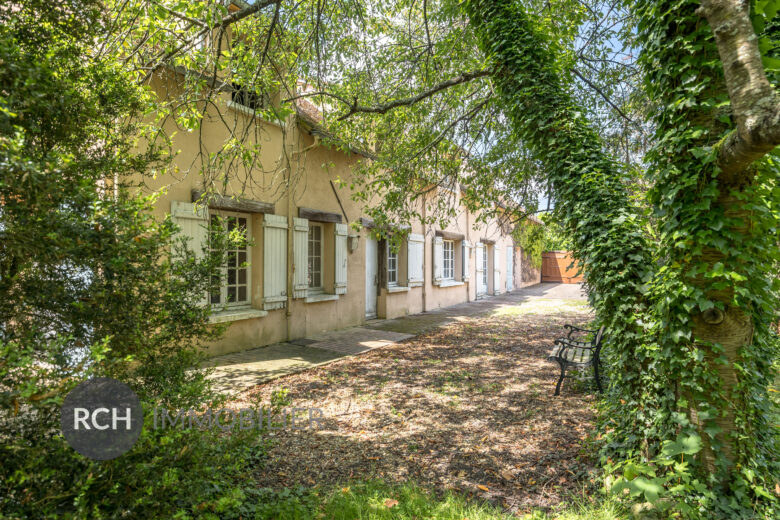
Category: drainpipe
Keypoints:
(468, 239)
(289, 147)
(425, 277)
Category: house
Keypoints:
(313, 262)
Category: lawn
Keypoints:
(465, 411)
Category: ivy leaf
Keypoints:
(685, 444)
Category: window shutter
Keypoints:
(466, 245)
(192, 220)
(480, 261)
(301, 257)
(415, 247)
(496, 271)
(340, 260)
(438, 260)
(274, 262)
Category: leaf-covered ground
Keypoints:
(468, 407)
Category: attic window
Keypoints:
(249, 98)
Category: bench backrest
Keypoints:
(597, 340)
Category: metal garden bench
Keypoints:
(570, 352)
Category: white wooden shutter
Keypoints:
(340, 260)
(415, 248)
(480, 267)
(496, 271)
(193, 220)
(274, 262)
(438, 260)
(301, 257)
(466, 248)
(510, 268)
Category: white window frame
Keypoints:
(242, 96)
(225, 284)
(318, 254)
(448, 257)
(392, 266)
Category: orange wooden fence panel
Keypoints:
(555, 267)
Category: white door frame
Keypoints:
(372, 276)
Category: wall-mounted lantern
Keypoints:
(353, 242)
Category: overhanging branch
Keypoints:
(604, 96)
(383, 108)
(755, 104)
(221, 24)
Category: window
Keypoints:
(485, 267)
(315, 256)
(231, 286)
(249, 98)
(449, 260)
(392, 266)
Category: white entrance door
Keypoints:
(496, 270)
(481, 269)
(372, 265)
(510, 273)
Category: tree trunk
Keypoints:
(731, 328)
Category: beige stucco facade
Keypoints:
(296, 177)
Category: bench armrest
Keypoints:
(573, 329)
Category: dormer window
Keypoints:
(249, 98)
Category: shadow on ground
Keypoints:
(467, 407)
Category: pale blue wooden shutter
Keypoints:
(274, 262)
(416, 252)
(438, 260)
(301, 257)
(466, 250)
(496, 270)
(340, 260)
(193, 220)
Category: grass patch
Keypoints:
(378, 500)
(542, 306)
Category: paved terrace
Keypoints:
(237, 372)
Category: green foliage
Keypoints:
(531, 237)
(592, 205)
(710, 260)
(378, 500)
(656, 372)
(555, 237)
(88, 286)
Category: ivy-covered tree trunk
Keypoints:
(691, 346)
(592, 202)
(715, 198)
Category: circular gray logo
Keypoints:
(101, 418)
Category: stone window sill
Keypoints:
(236, 315)
(321, 297)
(248, 111)
(397, 289)
(451, 283)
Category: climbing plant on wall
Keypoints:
(531, 238)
